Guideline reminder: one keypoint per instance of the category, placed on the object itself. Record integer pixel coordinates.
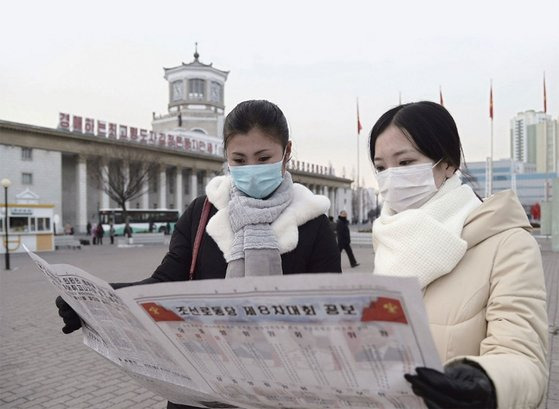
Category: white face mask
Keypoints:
(407, 187)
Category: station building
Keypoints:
(55, 164)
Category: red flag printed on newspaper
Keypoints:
(384, 309)
(159, 313)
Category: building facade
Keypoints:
(185, 145)
(543, 145)
(60, 172)
(523, 145)
(530, 186)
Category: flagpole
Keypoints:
(357, 184)
(490, 171)
(491, 162)
(546, 192)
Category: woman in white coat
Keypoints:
(478, 265)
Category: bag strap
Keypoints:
(199, 236)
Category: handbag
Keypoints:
(204, 216)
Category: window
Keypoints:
(27, 178)
(198, 130)
(19, 224)
(196, 88)
(26, 154)
(43, 223)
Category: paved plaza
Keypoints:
(40, 367)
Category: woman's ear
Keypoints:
(286, 157)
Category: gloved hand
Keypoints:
(463, 385)
(71, 318)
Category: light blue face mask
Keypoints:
(257, 181)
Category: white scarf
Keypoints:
(305, 206)
(255, 248)
(425, 243)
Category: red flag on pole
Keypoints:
(544, 95)
(359, 127)
(491, 101)
(441, 97)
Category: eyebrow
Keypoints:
(255, 153)
(398, 153)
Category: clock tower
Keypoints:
(195, 100)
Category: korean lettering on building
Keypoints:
(111, 130)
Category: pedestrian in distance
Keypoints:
(100, 232)
(94, 234)
(88, 228)
(128, 230)
(255, 220)
(344, 239)
(479, 267)
(112, 233)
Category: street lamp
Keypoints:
(6, 184)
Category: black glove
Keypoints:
(71, 318)
(463, 385)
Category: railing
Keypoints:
(66, 241)
(362, 239)
(141, 239)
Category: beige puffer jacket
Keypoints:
(492, 307)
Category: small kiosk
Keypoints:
(28, 223)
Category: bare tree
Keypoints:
(124, 175)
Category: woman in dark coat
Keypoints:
(260, 222)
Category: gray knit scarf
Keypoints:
(255, 248)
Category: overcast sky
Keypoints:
(105, 60)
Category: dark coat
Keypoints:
(316, 252)
(342, 229)
(100, 231)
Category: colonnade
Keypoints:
(174, 187)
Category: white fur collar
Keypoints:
(305, 206)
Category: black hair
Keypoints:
(428, 125)
(260, 114)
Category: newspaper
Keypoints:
(299, 341)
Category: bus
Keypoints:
(140, 220)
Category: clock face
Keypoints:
(215, 93)
(177, 91)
